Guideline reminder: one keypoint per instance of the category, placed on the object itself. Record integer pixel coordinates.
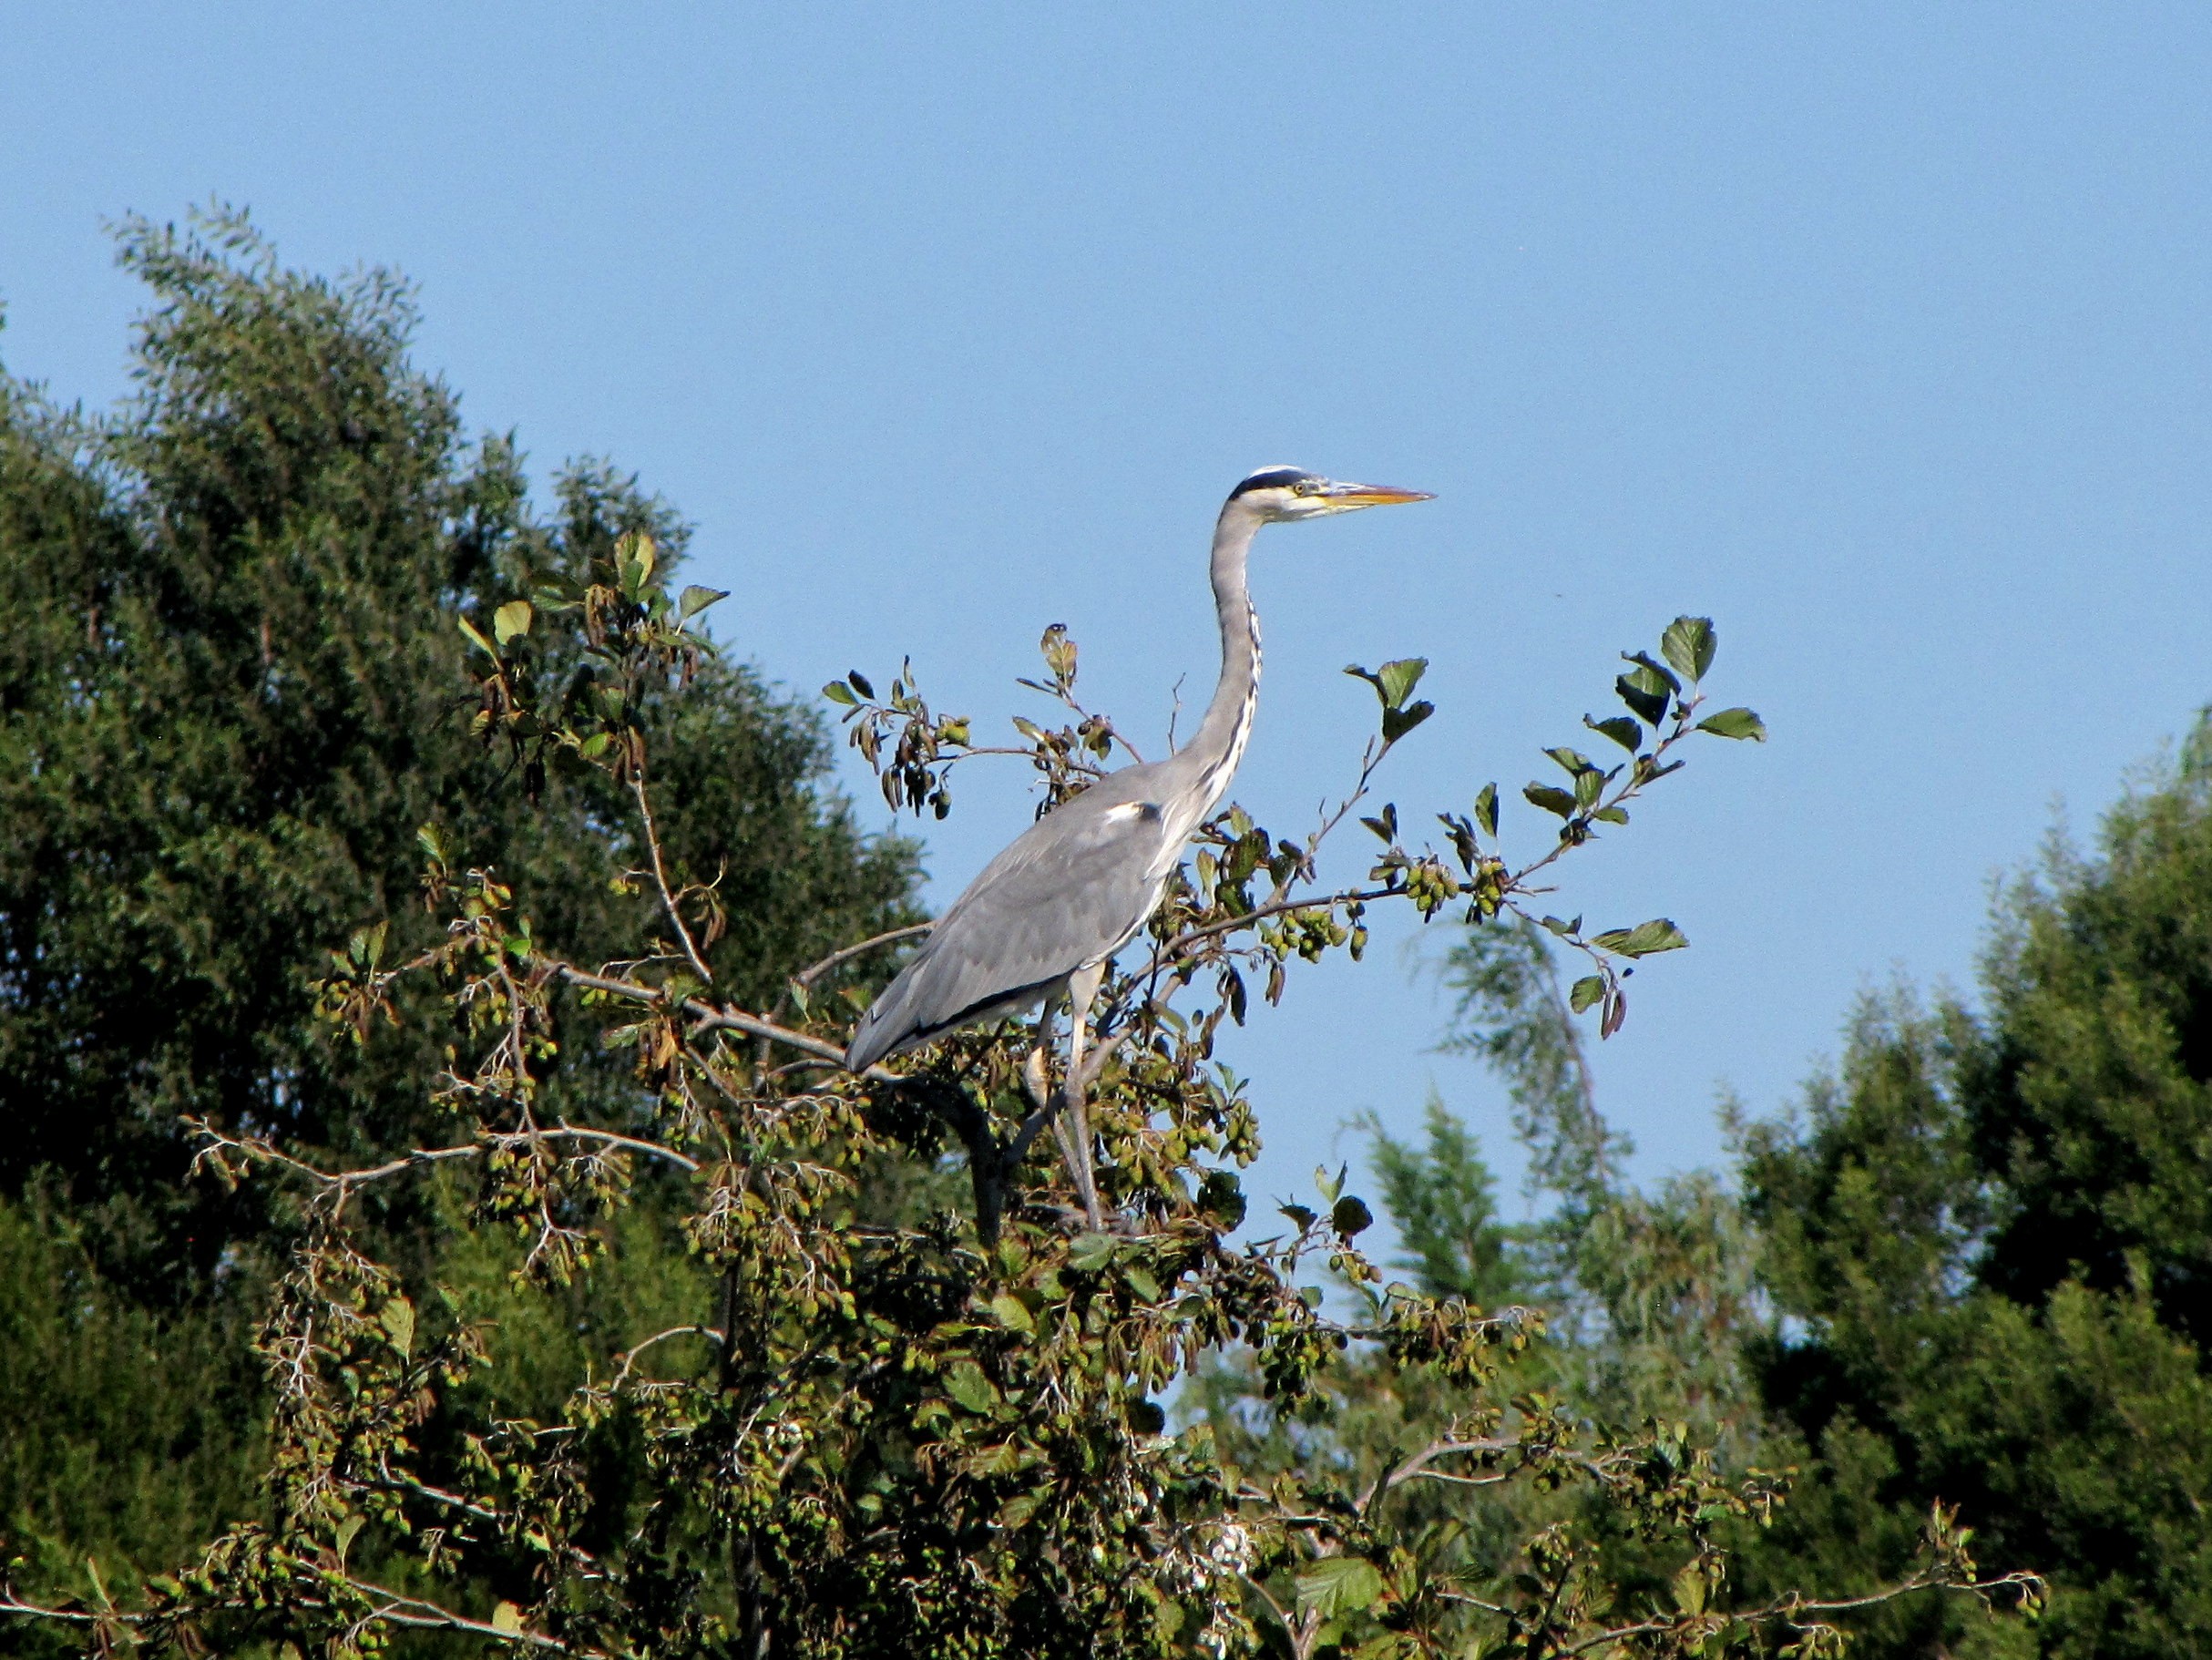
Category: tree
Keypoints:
(872, 1434)
(1988, 1234)
(1645, 1301)
(232, 687)
(228, 697)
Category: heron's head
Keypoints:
(1291, 492)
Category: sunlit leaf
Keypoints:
(965, 1383)
(1394, 681)
(1735, 723)
(1585, 991)
(511, 619)
(1690, 1588)
(695, 600)
(1643, 939)
(1688, 644)
(1337, 1585)
(398, 1320)
(1486, 809)
(1091, 1252)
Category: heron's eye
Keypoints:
(1304, 487)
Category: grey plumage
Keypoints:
(1077, 886)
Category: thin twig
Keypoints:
(668, 900)
(807, 975)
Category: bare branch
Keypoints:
(808, 975)
(668, 900)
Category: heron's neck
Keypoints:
(1219, 742)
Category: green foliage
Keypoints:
(1443, 1199)
(231, 689)
(1992, 1236)
(126, 1438)
(226, 702)
(598, 1311)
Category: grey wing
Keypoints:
(1067, 892)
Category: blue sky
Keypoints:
(1879, 334)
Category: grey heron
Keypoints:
(1043, 919)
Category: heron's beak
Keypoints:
(1348, 496)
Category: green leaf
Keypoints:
(633, 562)
(860, 683)
(1643, 659)
(1300, 1215)
(477, 635)
(1688, 644)
(838, 691)
(1222, 1197)
(1643, 940)
(1339, 1586)
(1735, 723)
(1486, 809)
(1351, 1216)
(1012, 1313)
(398, 1321)
(1091, 1252)
(1393, 680)
(1639, 696)
(1690, 1589)
(695, 600)
(1586, 991)
(1551, 799)
(1573, 761)
(1611, 815)
(1400, 677)
(1398, 722)
(510, 620)
(1619, 729)
(505, 1616)
(965, 1383)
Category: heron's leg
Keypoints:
(1037, 1081)
(1075, 1120)
(1037, 1071)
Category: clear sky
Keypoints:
(1879, 334)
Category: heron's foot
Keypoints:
(1073, 1126)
